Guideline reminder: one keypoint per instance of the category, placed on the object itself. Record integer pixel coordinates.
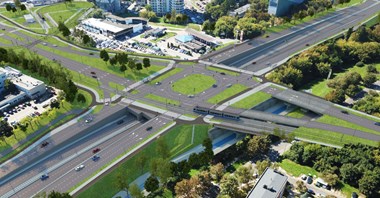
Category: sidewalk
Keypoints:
(219, 144)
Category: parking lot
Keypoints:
(29, 108)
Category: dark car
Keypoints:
(44, 177)
(222, 73)
(377, 123)
(214, 85)
(254, 62)
(95, 158)
(119, 122)
(149, 128)
(344, 111)
(94, 76)
(310, 191)
(309, 180)
(93, 73)
(354, 195)
(44, 144)
(96, 150)
(307, 44)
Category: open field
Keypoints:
(162, 99)
(227, 93)
(178, 140)
(296, 113)
(295, 169)
(252, 100)
(193, 84)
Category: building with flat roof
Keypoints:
(28, 87)
(161, 7)
(281, 7)
(203, 38)
(240, 12)
(271, 184)
(110, 29)
(3, 76)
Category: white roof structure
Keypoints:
(20, 80)
(102, 25)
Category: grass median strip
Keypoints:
(162, 99)
(339, 122)
(252, 100)
(330, 137)
(165, 75)
(178, 141)
(227, 93)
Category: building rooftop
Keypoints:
(26, 82)
(184, 38)
(105, 25)
(201, 35)
(111, 16)
(270, 185)
(28, 16)
(241, 9)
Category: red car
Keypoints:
(96, 150)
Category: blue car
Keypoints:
(44, 177)
(95, 158)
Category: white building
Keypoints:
(161, 7)
(29, 87)
(29, 18)
(109, 28)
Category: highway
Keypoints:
(60, 164)
(268, 52)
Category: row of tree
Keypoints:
(357, 165)
(124, 62)
(18, 5)
(316, 63)
(58, 76)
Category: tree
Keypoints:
(162, 169)
(331, 178)
(14, 9)
(224, 26)
(123, 68)
(217, 171)
(55, 194)
(135, 191)
(350, 174)
(22, 7)
(8, 7)
(249, 27)
(369, 79)
(141, 162)
(371, 68)
(148, 7)
(104, 56)
(301, 187)
(121, 181)
(81, 98)
(352, 90)
(122, 58)
(63, 29)
(139, 66)
(17, 3)
(335, 96)
(146, 63)
(151, 184)
(86, 39)
(369, 184)
(244, 174)
(162, 148)
(261, 166)
(229, 185)
(258, 145)
(132, 64)
(187, 187)
(348, 33)
(209, 153)
(113, 60)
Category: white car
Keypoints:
(80, 167)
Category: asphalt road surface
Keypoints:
(60, 166)
(268, 52)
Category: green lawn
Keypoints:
(162, 99)
(166, 36)
(62, 16)
(87, 81)
(296, 113)
(194, 26)
(330, 137)
(116, 86)
(295, 169)
(351, 3)
(225, 45)
(219, 70)
(193, 84)
(165, 75)
(339, 122)
(252, 100)
(227, 93)
(96, 62)
(178, 140)
(75, 5)
(17, 17)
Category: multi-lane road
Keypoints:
(269, 52)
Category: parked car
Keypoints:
(80, 167)
(344, 111)
(354, 195)
(96, 150)
(310, 191)
(44, 176)
(149, 128)
(309, 180)
(303, 177)
(377, 123)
